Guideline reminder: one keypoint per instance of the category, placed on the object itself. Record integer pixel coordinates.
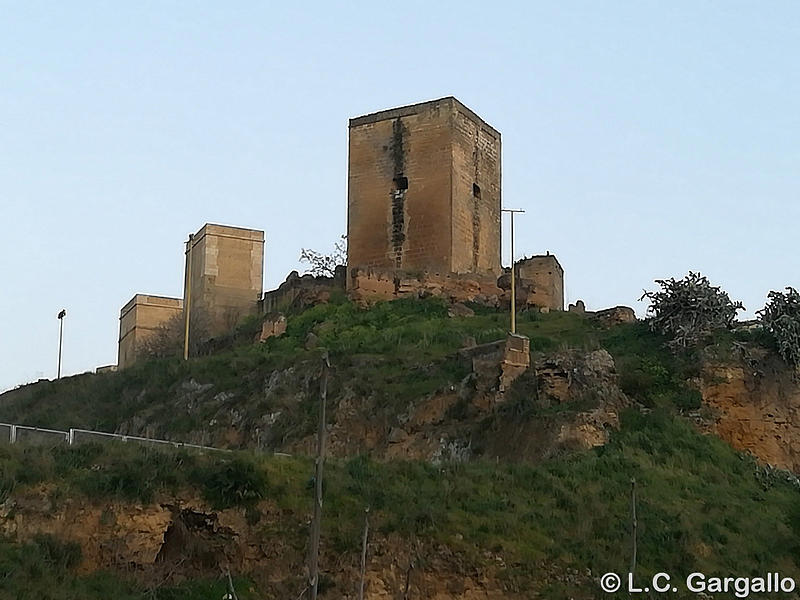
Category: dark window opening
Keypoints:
(401, 183)
(476, 190)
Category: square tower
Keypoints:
(139, 320)
(424, 190)
(224, 278)
(541, 281)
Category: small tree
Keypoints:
(781, 318)
(688, 310)
(324, 265)
(168, 338)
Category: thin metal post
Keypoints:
(316, 525)
(513, 282)
(634, 525)
(187, 301)
(513, 271)
(364, 555)
(61, 316)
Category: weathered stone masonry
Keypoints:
(424, 191)
(226, 266)
(139, 320)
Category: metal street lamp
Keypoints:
(513, 277)
(187, 300)
(61, 316)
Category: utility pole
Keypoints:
(364, 555)
(512, 211)
(634, 525)
(316, 525)
(187, 301)
(61, 316)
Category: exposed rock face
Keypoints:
(177, 538)
(460, 309)
(755, 404)
(565, 401)
(505, 406)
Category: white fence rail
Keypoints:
(15, 434)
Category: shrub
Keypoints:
(781, 318)
(689, 310)
(235, 482)
(58, 554)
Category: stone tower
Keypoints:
(424, 190)
(541, 281)
(224, 281)
(139, 320)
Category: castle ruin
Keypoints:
(423, 218)
(540, 281)
(223, 282)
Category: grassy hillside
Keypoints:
(701, 507)
(397, 352)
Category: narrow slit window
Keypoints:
(476, 190)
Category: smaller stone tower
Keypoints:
(139, 320)
(541, 281)
(224, 278)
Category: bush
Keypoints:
(235, 482)
(689, 310)
(59, 555)
(781, 318)
(132, 473)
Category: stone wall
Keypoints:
(139, 319)
(300, 291)
(516, 359)
(366, 285)
(424, 190)
(225, 281)
(540, 282)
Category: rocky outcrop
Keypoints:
(298, 291)
(178, 538)
(566, 401)
(609, 317)
(504, 406)
(754, 403)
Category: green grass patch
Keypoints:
(701, 507)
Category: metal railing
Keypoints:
(14, 434)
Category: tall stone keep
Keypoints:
(424, 190)
(224, 278)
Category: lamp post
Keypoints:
(187, 301)
(61, 316)
(511, 211)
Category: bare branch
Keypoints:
(324, 265)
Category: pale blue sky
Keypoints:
(643, 138)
